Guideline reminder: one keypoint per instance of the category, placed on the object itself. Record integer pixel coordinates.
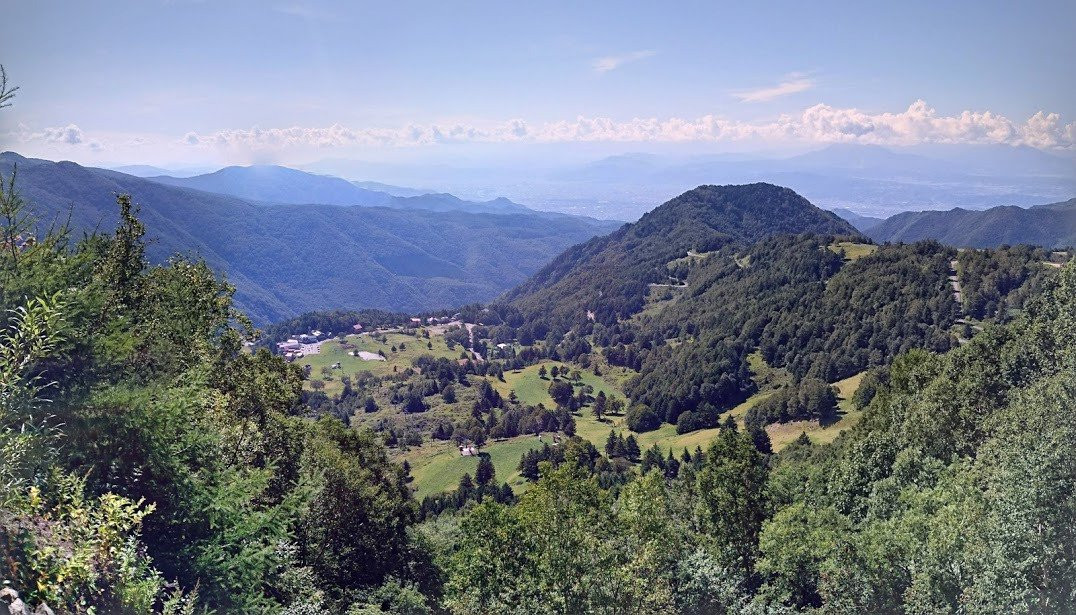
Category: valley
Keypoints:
(332, 308)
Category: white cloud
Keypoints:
(919, 123)
(792, 84)
(608, 63)
(69, 135)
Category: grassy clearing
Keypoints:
(658, 298)
(333, 352)
(532, 389)
(781, 434)
(691, 257)
(852, 250)
(765, 376)
(438, 466)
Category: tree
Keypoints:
(615, 406)
(17, 220)
(732, 495)
(542, 373)
(485, 473)
(561, 392)
(317, 384)
(611, 444)
(599, 405)
(760, 439)
(370, 405)
(6, 93)
(631, 447)
(641, 418)
(449, 394)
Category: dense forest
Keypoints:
(954, 495)
(802, 307)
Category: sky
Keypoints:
(215, 82)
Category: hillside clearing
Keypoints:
(853, 250)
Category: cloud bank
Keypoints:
(918, 124)
(822, 124)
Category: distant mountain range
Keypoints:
(1050, 226)
(862, 223)
(275, 184)
(286, 259)
(871, 180)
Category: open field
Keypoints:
(333, 352)
(532, 389)
(438, 466)
(852, 250)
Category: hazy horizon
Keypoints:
(296, 83)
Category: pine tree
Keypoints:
(485, 473)
(611, 444)
(631, 448)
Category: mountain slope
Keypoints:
(609, 276)
(275, 184)
(861, 222)
(290, 259)
(1052, 225)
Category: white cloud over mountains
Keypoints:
(69, 135)
(918, 124)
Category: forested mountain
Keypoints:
(1050, 226)
(275, 184)
(800, 306)
(609, 276)
(288, 259)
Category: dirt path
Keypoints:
(954, 281)
(470, 331)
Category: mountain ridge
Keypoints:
(288, 259)
(1051, 225)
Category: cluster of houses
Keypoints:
(292, 347)
(432, 320)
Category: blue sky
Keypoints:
(167, 82)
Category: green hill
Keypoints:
(610, 276)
